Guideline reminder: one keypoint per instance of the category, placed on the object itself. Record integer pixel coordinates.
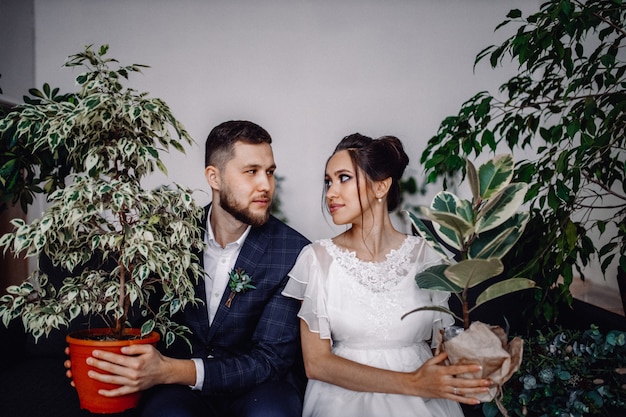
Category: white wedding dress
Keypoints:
(358, 306)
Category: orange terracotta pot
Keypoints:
(81, 347)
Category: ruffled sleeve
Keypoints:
(307, 282)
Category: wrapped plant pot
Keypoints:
(480, 232)
(489, 347)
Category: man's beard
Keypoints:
(242, 214)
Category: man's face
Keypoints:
(247, 183)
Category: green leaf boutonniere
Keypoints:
(239, 282)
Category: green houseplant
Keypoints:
(568, 372)
(26, 171)
(565, 109)
(482, 230)
(123, 248)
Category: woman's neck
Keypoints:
(371, 244)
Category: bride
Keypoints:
(360, 357)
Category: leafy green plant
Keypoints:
(568, 372)
(121, 244)
(26, 171)
(482, 230)
(566, 106)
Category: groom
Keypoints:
(246, 347)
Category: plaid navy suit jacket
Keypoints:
(257, 338)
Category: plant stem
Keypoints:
(466, 320)
(464, 301)
(121, 301)
(119, 322)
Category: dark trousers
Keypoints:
(270, 399)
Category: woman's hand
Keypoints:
(436, 380)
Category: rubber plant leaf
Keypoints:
(433, 308)
(502, 288)
(434, 278)
(497, 242)
(446, 202)
(427, 235)
(465, 210)
(474, 183)
(471, 272)
(495, 174)
(450, 227)
(502, 206)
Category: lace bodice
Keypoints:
(376, 276)
(347, 299)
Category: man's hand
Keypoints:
(138, 368)
(68, 366)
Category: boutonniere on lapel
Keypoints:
(239, 282)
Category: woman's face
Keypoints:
(342, 190)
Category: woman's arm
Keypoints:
(431, 380)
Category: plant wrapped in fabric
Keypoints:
(121, 244)
(568, 372)
(482, 231)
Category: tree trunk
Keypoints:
(12, 270)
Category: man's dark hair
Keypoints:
(221, 141)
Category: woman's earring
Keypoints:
(380, 200)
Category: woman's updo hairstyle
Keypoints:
(379, 159)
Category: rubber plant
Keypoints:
(564, 111)
(120, 243)
(482, 230)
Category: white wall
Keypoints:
(310, 72)
(17, 45)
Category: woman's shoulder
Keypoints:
(322, 248)
(421, 251)
(315, 250)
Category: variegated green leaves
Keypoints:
(565, 103)
(121, 244)
(481, 231)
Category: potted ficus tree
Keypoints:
(123, 249)
(482, 230)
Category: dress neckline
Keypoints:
(380, 276)
(389, 256)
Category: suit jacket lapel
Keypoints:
(253, 248)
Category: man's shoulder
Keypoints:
(277, 229)
(277, 243)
